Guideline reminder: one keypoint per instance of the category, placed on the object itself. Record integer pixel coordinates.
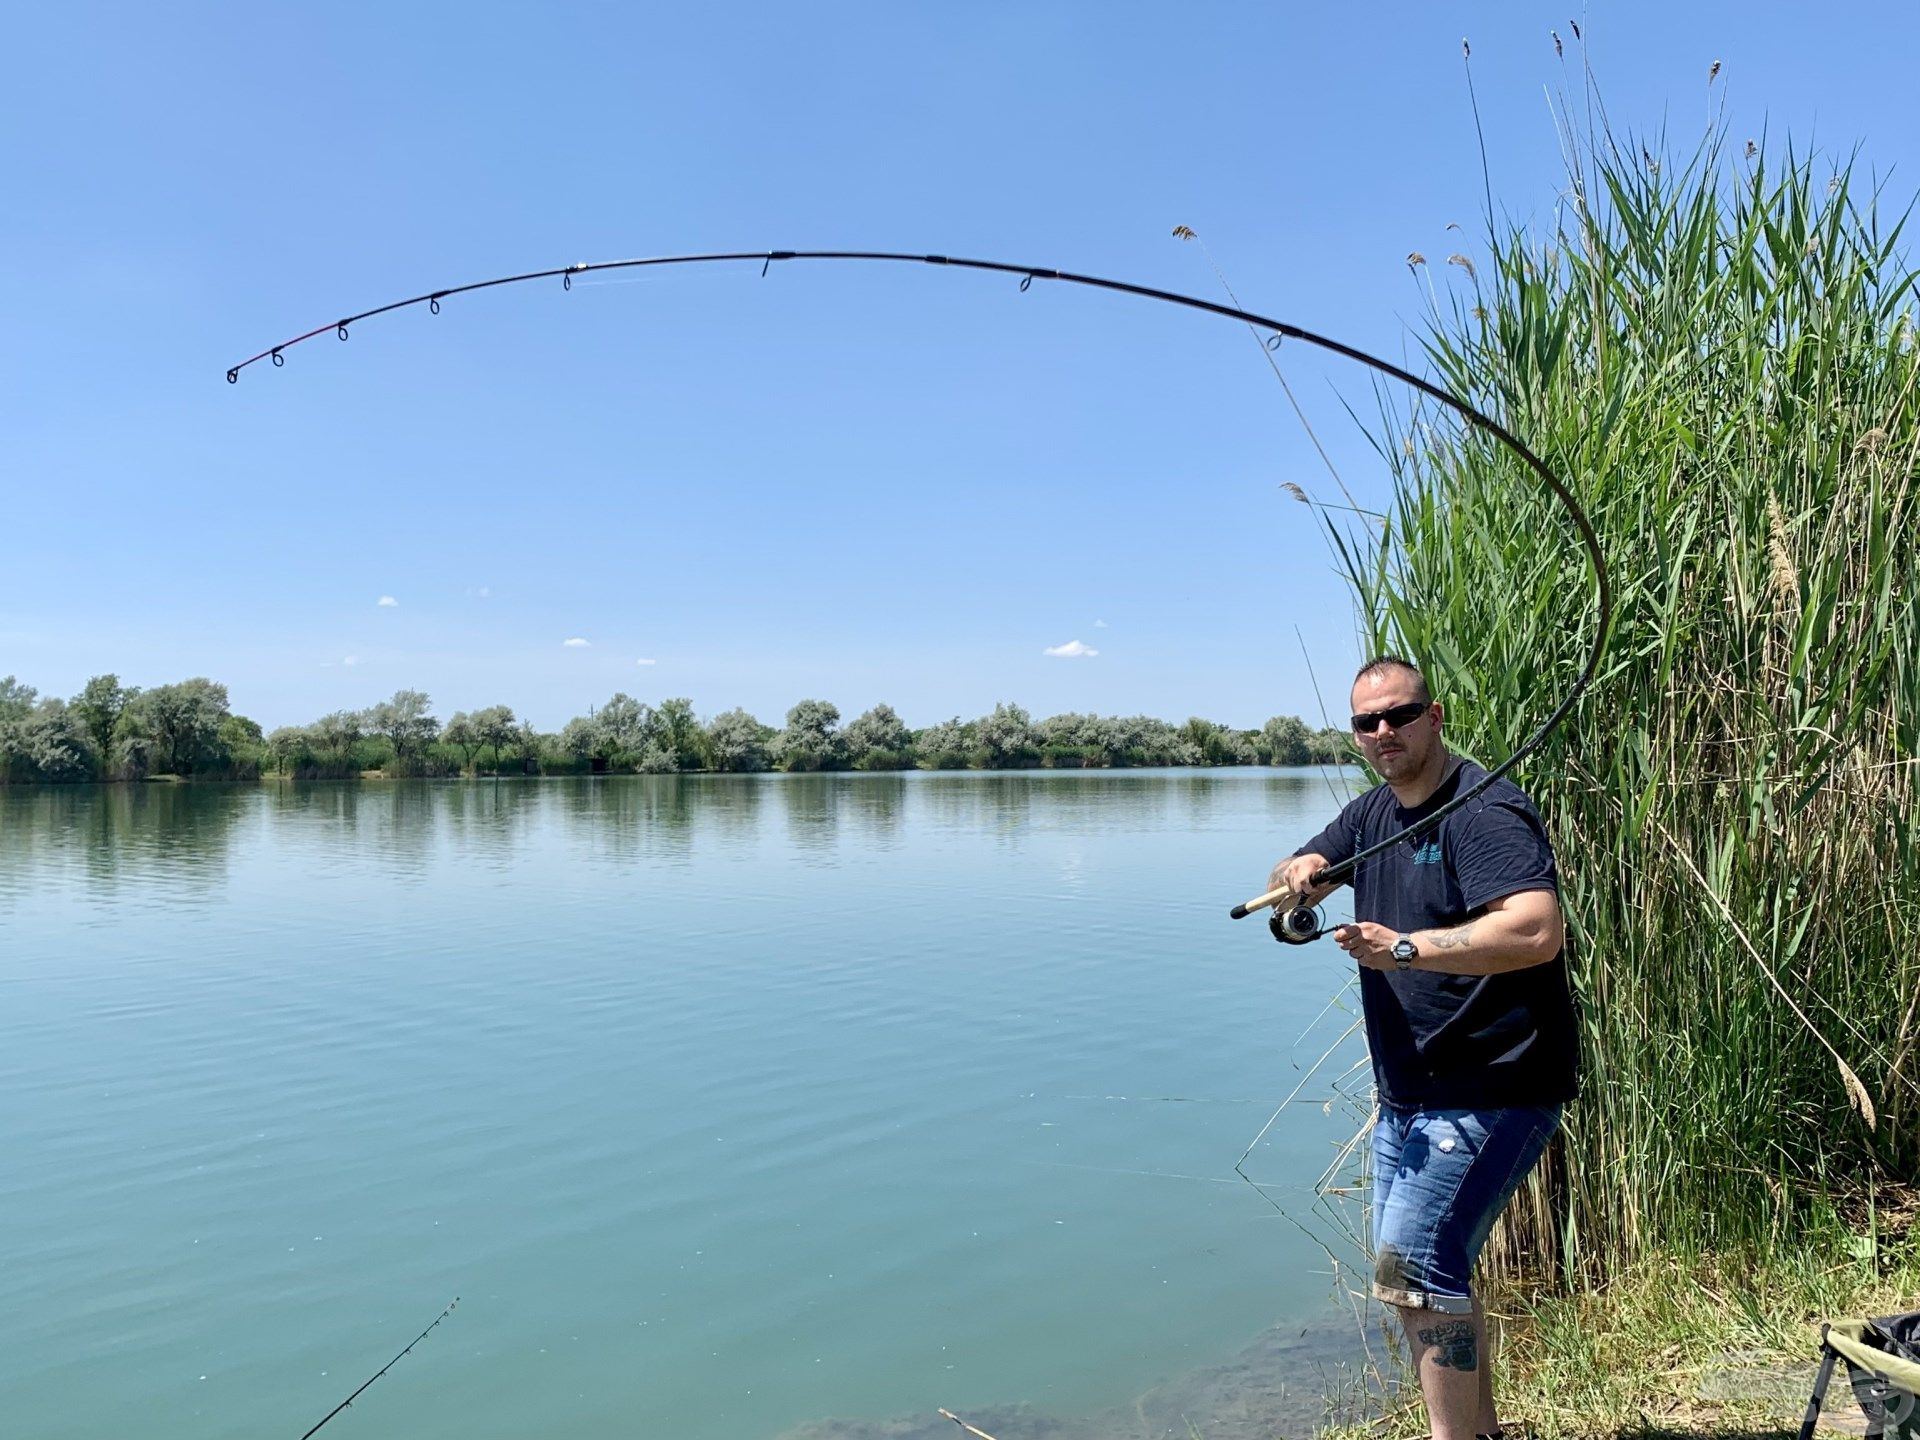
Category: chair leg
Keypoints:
(1827, 1356)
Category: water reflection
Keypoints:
(812, 812)
(997, 803)
(178, 840)
(876, 802)
(397, 828)
(655, 814)
(730, 804)
(1199, 795)
(167, 843)
(1290, 791)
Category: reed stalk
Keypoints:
(1718, 353)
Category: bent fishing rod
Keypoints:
(1293, 921)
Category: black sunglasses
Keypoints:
(1368, 721)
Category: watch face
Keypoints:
(1404, 951)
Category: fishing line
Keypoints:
(1269, 351)
(1325, 723)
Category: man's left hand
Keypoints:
(1370, 944)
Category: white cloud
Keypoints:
(351, 660)
(1072, 650)
(646, 662)
(576, 643)
(387, 602)
(1099, 624)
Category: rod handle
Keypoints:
(1259, 902)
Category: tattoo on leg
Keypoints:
(1454, 1342)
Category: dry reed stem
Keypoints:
(1856, 1092)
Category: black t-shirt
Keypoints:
(1457, 1041)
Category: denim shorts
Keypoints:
(1440, 1180)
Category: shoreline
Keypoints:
(381, 777)
(1289, 1379)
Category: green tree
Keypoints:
(289, 747)
(405, 722)
(463, 736)
(132, 752)
(1217, 744)
(582, 738)
(242, 745)
(339, 731)
(526, 742)
(15, 699)
(657, 759)
(738, 742)
(1286, 740)
(1008, 737)
(812, 739)
(16, 703)
(1331, 746)
(626, 725)
(879, 740)
(493, 727)
(1139, 740)
(679, 734)
(53, 744)
(948, 745)
(99, 705)
(1073, 740)
(184, 722)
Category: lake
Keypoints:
(730, 1107)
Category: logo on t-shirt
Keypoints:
(1427, 854)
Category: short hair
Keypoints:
(1381, 663)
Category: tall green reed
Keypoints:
(1718, 354)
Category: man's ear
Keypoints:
(1439, 716)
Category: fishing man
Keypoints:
(1469, 1019)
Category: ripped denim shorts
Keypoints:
(1440, 1180)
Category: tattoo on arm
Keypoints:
(1458, 938)
(1455, 1345)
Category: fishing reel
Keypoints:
(1296, 925)
(1293, 922)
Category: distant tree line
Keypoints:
(114, 732)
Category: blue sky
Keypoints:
(853, 483)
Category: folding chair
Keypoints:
(1883, 1361)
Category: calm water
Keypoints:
(728, 1106)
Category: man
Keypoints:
(1469, 1019)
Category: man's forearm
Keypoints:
(1490, 944)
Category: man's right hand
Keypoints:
(1296, 874)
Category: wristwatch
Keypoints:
(1405, 952)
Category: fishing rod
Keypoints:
(1293, 921)
(382, 1370)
